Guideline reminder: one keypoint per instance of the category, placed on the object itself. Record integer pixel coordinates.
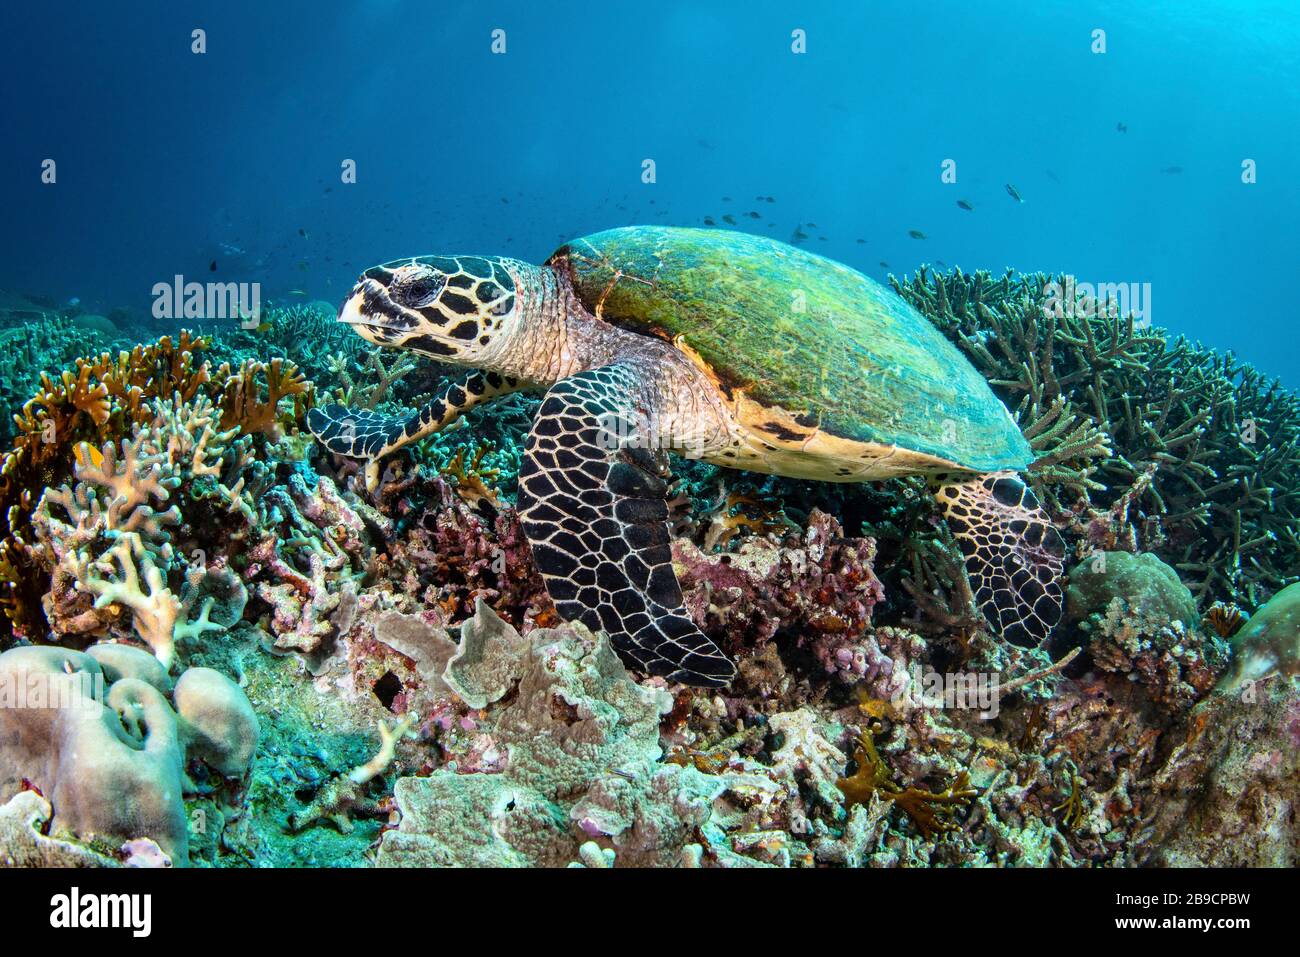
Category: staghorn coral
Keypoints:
(1222, 442)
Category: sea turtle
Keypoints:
(733, 348)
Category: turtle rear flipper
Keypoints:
(363, 434)
(1014, 555)
(594, 510)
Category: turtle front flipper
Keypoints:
(363, 434)
(1014, 555)
(593, 506)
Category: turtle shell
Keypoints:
(796, 331)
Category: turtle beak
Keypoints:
(370, 312)
(350, 311)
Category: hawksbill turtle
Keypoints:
(719, 345)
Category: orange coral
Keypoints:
(933, 812)
(472, 479)
(742, 511)
(241, 399)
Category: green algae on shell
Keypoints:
(801, 332)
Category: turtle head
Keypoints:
(447, 307)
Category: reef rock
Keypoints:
(1147, 586)
(581, 745)
(1142, 622)
(1228, 792)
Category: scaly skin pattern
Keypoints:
(650, 339)
(594, 511)
(1014, 556)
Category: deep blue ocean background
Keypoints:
(168, 161)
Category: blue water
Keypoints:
(168, 161)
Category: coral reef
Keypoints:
(1221, 442)
(1142, 621)
(283, 667)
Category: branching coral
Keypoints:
(1223, 442)
(345, 796)
(243, 405)
(933, 812)
(378, 380)
(473, 480)
(101, 401)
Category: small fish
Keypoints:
(798, 235)
(1052, 176)
(297, 292)
(302, 232)
(1014, 193)
(729, 219)
(940, 262)
(1172, 170)
(708, 221)
(753, 215)
(860, 240)
(811, 225)
(74, 301)
(726, 199)
(916, 234)
(87, 455)
(883, 264)
(962, 204)
(212, 266)
(771, 199)
(1121, 128)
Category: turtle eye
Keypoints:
(418, 290)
